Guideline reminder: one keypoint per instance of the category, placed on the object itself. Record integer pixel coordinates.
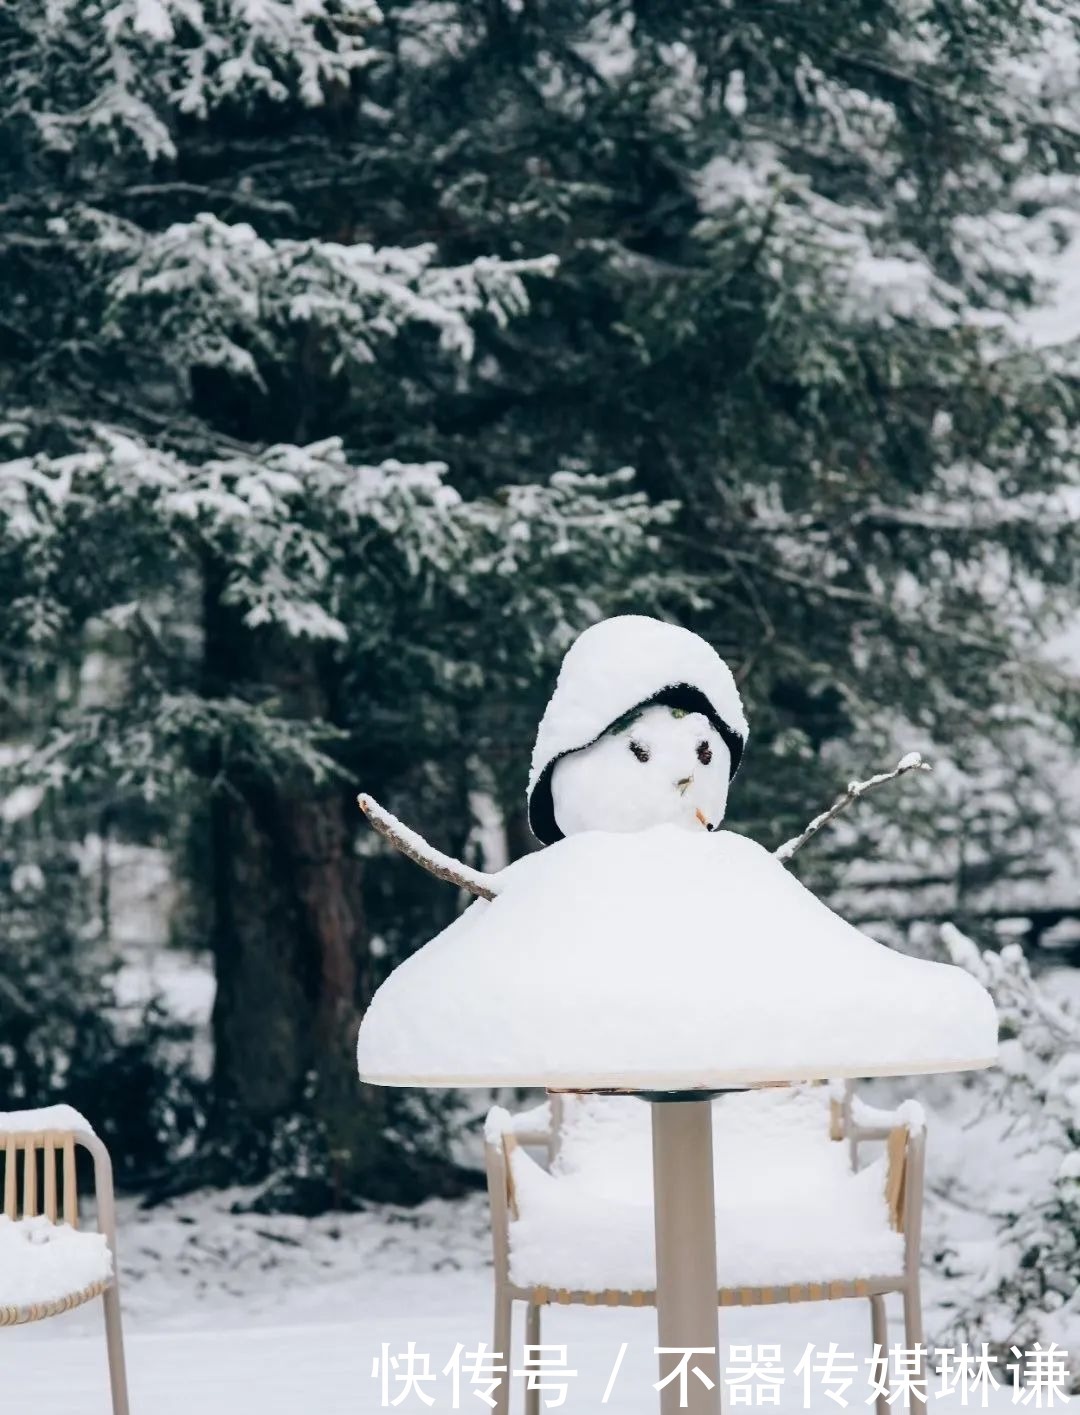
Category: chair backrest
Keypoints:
(598, 1133)
(764, 1134)
(40, 1175)
(44, 1162)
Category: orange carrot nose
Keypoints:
(701, 817)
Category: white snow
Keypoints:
(499, 1122)
(49, 1117)
(1057, 321)
(872, 1117)
(319, 1361)
(20, 803)
(42, 1261)
(228, 1312)
(619, 664)
(788, 1207)
(235, 1313)
(663, 959)
(660, 768)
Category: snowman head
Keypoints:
(656, 765)
(645, 726)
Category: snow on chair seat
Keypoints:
(47, 1265)
(789, 1210)
(795, 1221)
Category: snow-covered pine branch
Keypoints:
(855, 790)
(246, 300)
(414, 847)
(132, 70)
(1017, 1284)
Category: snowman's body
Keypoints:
(664, 959)
(656, 766)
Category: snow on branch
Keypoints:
(855, 789)
(414, 847)
(1021, 1002)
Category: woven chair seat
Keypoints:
(38, 1311)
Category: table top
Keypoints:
(674, 1083)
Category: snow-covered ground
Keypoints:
(231, 1313)
(228, 1314)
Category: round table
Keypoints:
(672, 966)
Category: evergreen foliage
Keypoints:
(1021, 1288)
(64, 1037)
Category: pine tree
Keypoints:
(791, 242)
(291, 620)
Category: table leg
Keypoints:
(686, 1289)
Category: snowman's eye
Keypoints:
(640, 751)
(704, 753)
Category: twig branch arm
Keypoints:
(414, 847)
(855, 789)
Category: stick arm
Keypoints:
(414, 847)
(855, 790)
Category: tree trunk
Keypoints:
(292, 959)
(287, 928)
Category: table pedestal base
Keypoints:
(686, 1287)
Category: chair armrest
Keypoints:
(533, 1127)
(499, 1124)
(904, 1132)
(870, 1122)
(850, 1117)
(538, 1128)
(905, 1175)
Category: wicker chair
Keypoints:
(38, 1148)
(848, 1120)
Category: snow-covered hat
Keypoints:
(614, 667)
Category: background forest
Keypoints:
(354, 358)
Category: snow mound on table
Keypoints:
(788, 1207)
(613, 667)
(45, 1262)
(664, 960)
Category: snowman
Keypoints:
(632, 941)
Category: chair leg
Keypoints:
(503, 1340)
(913, 1322)
(114, 1345)
(879, 1331)
(532, 1338)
